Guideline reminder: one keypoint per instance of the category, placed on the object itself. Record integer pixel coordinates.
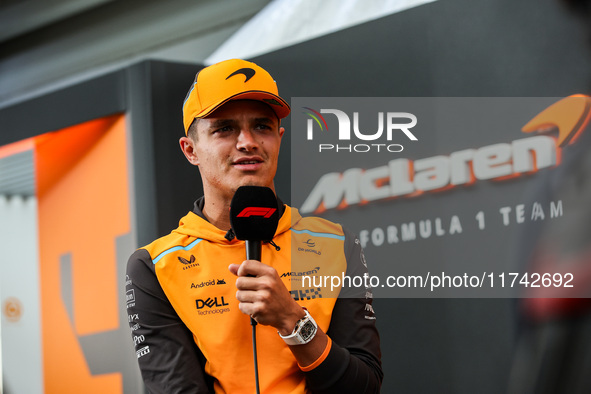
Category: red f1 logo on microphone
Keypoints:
(256, 211)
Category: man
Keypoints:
(194, 294)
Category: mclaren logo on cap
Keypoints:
(247, 72)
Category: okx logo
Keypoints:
(349, 130)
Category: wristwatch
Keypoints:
(304, 331)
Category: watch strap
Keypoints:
(296, 338)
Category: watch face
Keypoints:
(307, 330)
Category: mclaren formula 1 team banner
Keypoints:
(452, 197)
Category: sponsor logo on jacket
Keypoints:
(214, 302)
(188, 263)
(306, 273)
(212, 282)
(210, 306)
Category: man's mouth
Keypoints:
(248, 163)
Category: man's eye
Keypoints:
(224, 129)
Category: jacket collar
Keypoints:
(195, 224)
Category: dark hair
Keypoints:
(192, 131)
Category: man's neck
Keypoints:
(217, 212)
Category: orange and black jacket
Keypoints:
(191, 337)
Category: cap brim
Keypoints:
(276, 103)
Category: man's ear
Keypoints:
(188, 148)
(281, 131)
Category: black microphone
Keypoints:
(254, 216)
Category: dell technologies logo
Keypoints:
(389, 123)
(211, 303)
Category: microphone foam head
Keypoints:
(254, 214)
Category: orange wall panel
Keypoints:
(82, 183)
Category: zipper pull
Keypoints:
(277, 248)
(230, 235)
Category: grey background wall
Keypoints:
(457, 48)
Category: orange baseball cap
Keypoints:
(231, 80)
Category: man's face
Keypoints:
(237, 145)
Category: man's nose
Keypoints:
(246, 140)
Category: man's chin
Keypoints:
(254, 182)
